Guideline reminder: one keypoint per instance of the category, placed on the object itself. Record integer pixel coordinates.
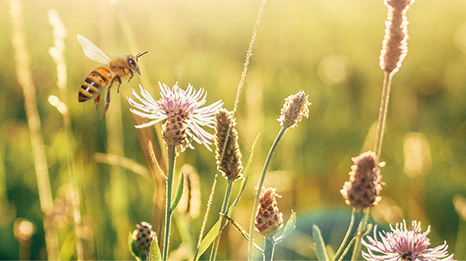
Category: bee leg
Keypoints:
(97, 100)
(108, 100)
(119, 83)
(132, 74)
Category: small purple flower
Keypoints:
(176, 102)
(403, 244)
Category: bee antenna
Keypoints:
(140, 54)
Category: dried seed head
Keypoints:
(174, 131)
(190, 204)
(143, 236)
(364, 186)
(395, 42)
(295, 107)
(23, 231)
(230, 164)
(268, 217)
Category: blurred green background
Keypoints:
(330, 49)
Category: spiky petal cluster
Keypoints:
(268, 218)
(395, 42)
(404, 244)
(363, 188)
(179, 106)
(295, 107)
(228, 155)
(143, 236)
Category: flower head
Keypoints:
(228, 155)
(395, 43)
(268, 218)
(364, 186)
(404, 244)
(143, 237)
(182, 110)
(295, 107)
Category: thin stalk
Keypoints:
(357, 243)
(259, 188)
(348, 232)
(269, 248)
(171, 170)
(206, 215)
(381, 124)
(213, 254)
(25, 80)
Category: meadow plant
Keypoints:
(185, 119)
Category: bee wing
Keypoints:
(93, 51)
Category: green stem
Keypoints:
(348, 232)
(381, 124)
(213, 254)
(357, 243)
(259, 188)
(171, 170)
(269, 248)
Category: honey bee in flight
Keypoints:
(99, 78)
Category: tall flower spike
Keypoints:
(364, 186)
(395, 42)
(182, 110)
(295, 107)
(404, 244)
(230, 164)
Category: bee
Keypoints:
(116, 69)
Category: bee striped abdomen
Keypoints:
(94, 82)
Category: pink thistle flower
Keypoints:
(403, 244)
(176, 102)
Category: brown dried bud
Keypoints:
(295, 107)
(268, 217)
(365, 183)
(228, 161)
(395, 43)
(174, 131)
(143, 237)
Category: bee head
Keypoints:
(133, 62)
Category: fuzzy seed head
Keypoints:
(363, 188)
(268, 218)
(395, 43)
(174, 131)
(295, 107)
(143, 236)
(228, 156)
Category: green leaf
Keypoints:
(289, 227)
(179, 193)
(133, 247)
(319, 244)
(155, 253)
(215, 230)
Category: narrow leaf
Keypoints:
(133, 247)
(155, 253)
(179, 193)
(248, 163)
(319, 244)
(289, 227)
